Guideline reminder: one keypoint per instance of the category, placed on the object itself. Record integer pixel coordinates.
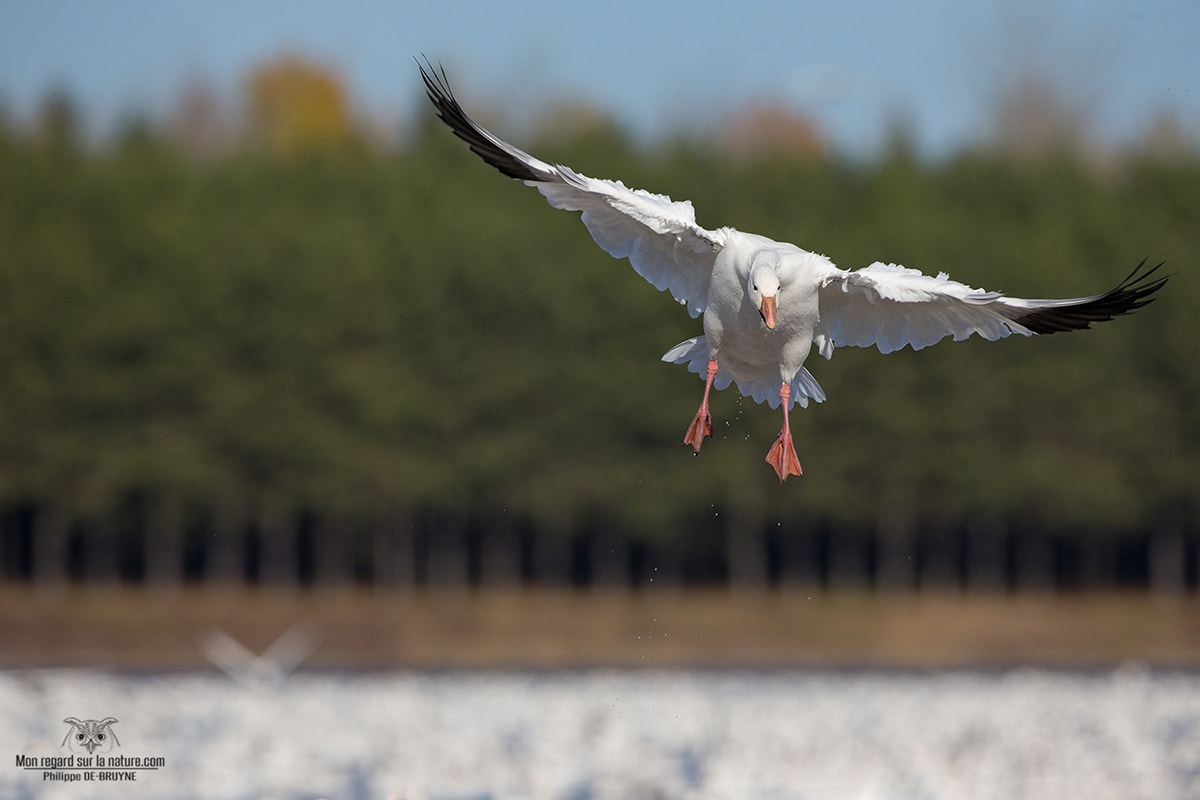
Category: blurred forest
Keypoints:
(287, 322)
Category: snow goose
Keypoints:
(766, 303)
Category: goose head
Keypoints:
(763, 291)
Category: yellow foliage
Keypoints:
(296, 105)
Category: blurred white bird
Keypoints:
(268, 670)
(766, 303)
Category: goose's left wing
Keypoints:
(889, 307)
(659, 236)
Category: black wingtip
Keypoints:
(437, 88)
(1135, 291)
(437, 85)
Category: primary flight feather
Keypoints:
(766, 303)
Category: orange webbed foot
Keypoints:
(702, 423)
(701, 426)
(782, 457)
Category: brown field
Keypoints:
(546, 628)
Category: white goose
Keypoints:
(766, 303)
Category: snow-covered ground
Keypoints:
(1021, 734)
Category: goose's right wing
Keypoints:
(659, 236)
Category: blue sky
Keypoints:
(852, 65)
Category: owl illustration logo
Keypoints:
(92, 735)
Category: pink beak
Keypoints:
(768, 311)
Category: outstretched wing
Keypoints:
(888, 306)
(659, 236)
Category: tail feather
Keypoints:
(694, 353)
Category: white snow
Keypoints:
(591, 735)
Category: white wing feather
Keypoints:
(890, 307)
(659, 236)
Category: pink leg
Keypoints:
(702, 423)
(782, 455)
